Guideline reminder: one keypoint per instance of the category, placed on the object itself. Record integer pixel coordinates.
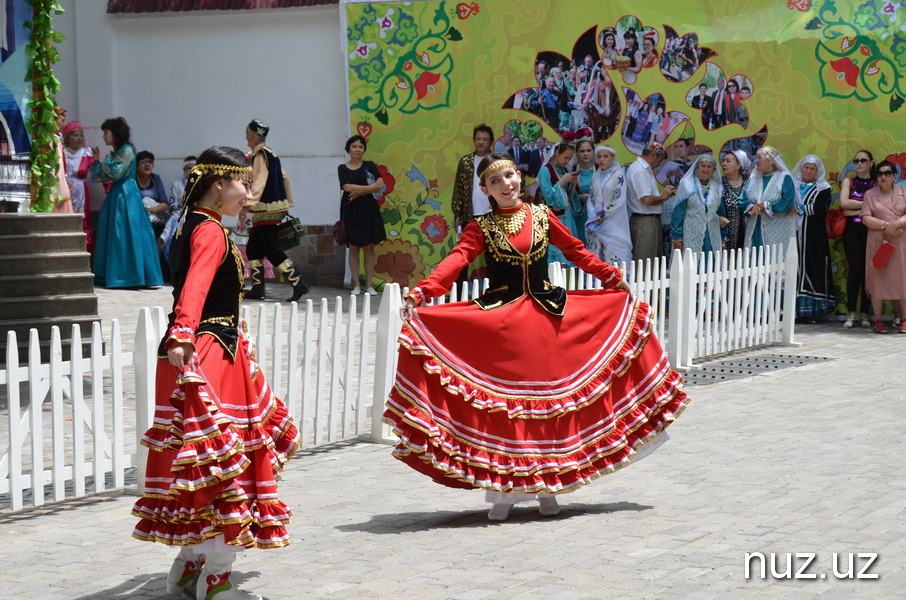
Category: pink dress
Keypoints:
(889, 283)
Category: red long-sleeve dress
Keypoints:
(528, 388)
(220, 436)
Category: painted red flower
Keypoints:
(432, 184)
(435, 227)
(389, 180)
(424, 83)
(898, 160)
(847, 69)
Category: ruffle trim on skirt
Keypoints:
(461, 461)
(455, 431)
(258, 524)
(222, 476)
(586, 388)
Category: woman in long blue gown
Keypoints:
(126, 252)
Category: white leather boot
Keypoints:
(214, 582)
(184, 572)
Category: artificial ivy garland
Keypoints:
(41, 126)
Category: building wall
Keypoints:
(186, 81)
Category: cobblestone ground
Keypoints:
(800, 460)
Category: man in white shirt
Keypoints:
(644, 202)
(468, 200)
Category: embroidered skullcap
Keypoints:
(60, 111)
(655, 148)
(259, 127)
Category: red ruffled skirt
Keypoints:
(219, 439)
(515, 399)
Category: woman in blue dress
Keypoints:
(699, 213)
(553, 181)
(770, 198)
(126, 252)
(641, 125)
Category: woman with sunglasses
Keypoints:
(855, 235)
(884, 214)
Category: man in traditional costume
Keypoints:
(272, 199)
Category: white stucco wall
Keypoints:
(186, 81)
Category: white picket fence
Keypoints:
(78, 433)
(63, 437)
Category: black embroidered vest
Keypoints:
(220, 314)
(512, 274)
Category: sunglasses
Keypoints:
(885, 173)
(860, 160)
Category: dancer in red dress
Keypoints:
(527, 391)
(220, 436)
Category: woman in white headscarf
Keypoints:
(770, 198)
(814, 289)
(735, 165)
(696, 217)
(608, 219)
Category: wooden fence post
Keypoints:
(144, 358)
(388, 328)
(791, 277)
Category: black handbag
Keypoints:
(289, 233)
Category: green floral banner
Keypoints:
(808, 77)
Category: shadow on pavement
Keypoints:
(395, 523)
(153, 585)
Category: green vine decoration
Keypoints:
(41, 126)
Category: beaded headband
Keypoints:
(497, 165)
(223, 171)
(241, 173)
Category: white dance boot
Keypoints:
(184, 572)
(499, 512)
(548, 505)
(214, 582)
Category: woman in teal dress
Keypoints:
(126, 253)
(579, 191)
(770, 199)
(553, 181)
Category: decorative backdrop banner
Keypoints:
(819, 77)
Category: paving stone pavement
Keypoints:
(800, 460)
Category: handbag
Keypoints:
(339, 228)
(339, 233)
(879, 260)
(289, 233)
(835, 223)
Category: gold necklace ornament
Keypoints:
(510, 223)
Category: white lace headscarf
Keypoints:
(690, 184)
(820, 180)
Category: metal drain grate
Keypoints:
(746, 367)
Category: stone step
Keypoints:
(31, 307)
(44, 326)
(46, 284)
(68, 241)
(34, 223)
(51, 262)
